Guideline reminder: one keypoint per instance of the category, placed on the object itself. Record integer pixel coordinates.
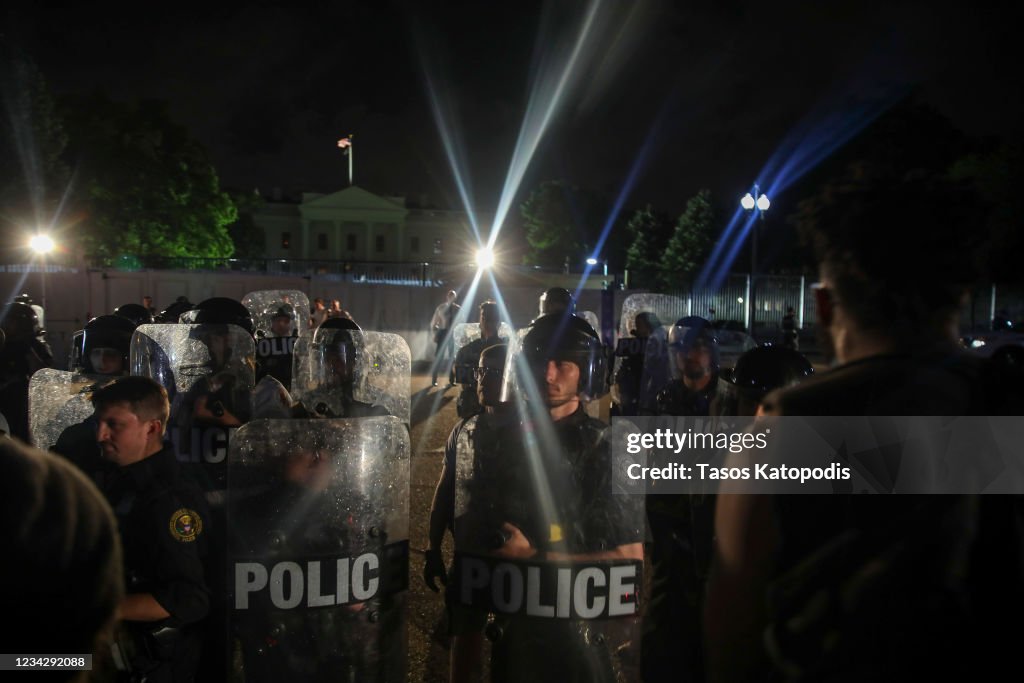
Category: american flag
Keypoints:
(345, 143)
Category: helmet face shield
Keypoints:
(694, 348)
(112, 335)
(558, 338)
(335, 357)
(107, 361)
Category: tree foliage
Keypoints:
(248, 238)
(650, 232)
(559, 221)
(148, 187)
(691, 242)
(996, 174)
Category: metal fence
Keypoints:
(377, 272)
(772, 295)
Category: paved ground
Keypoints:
(433, 416)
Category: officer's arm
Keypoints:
(517, 546)
(180, 586)
(141, 607)
(442, 507)
(629, 551)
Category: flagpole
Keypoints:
(346, 146)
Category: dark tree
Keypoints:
(149, 189)
(650, 234)
(690, 244)
(248, 238)
(561, 222)
(997, 176)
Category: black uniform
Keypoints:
(677, 399)
(681, 529)
(162, 521)
(274, 358)
(587, 517)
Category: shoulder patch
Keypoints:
(186, 525)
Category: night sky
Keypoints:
(712, 87)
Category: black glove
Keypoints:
(433, 568)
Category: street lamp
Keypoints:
(484, 258)
(42, 245)
(752, 201)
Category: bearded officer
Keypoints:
(467, 357)
(161, 518)
(694, 352)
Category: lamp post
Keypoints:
(750, 202)
(42, 245)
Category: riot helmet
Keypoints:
(19, 323)
(172, 313)
(137, 313)
(282, 320)
(762, 370)
(337, 351)
(221, 310)
(106, 341)
(556, 300)
(694, 347)
(562, 337)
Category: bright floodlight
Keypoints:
(41, 244)
(747, 202)
(484, 258)
(591, 261)
(763, 203)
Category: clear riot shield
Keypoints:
(318, 515)
(465, 334)
(377, 373)
(264, 305)
(58, 400)
(642, 365)
(60, 419)
(208, 373)
(531, 512)
(591, 319)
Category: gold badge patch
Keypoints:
(186, 525)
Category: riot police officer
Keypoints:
(23, 353)
(172, 313)
(106, 341)
(790, 334)
(556, 300)
(137, 313)
(564, 513)
(336, 372)
(163, 523)
(274, 351)
(466, 359)
(759, 371)
(695, 359)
